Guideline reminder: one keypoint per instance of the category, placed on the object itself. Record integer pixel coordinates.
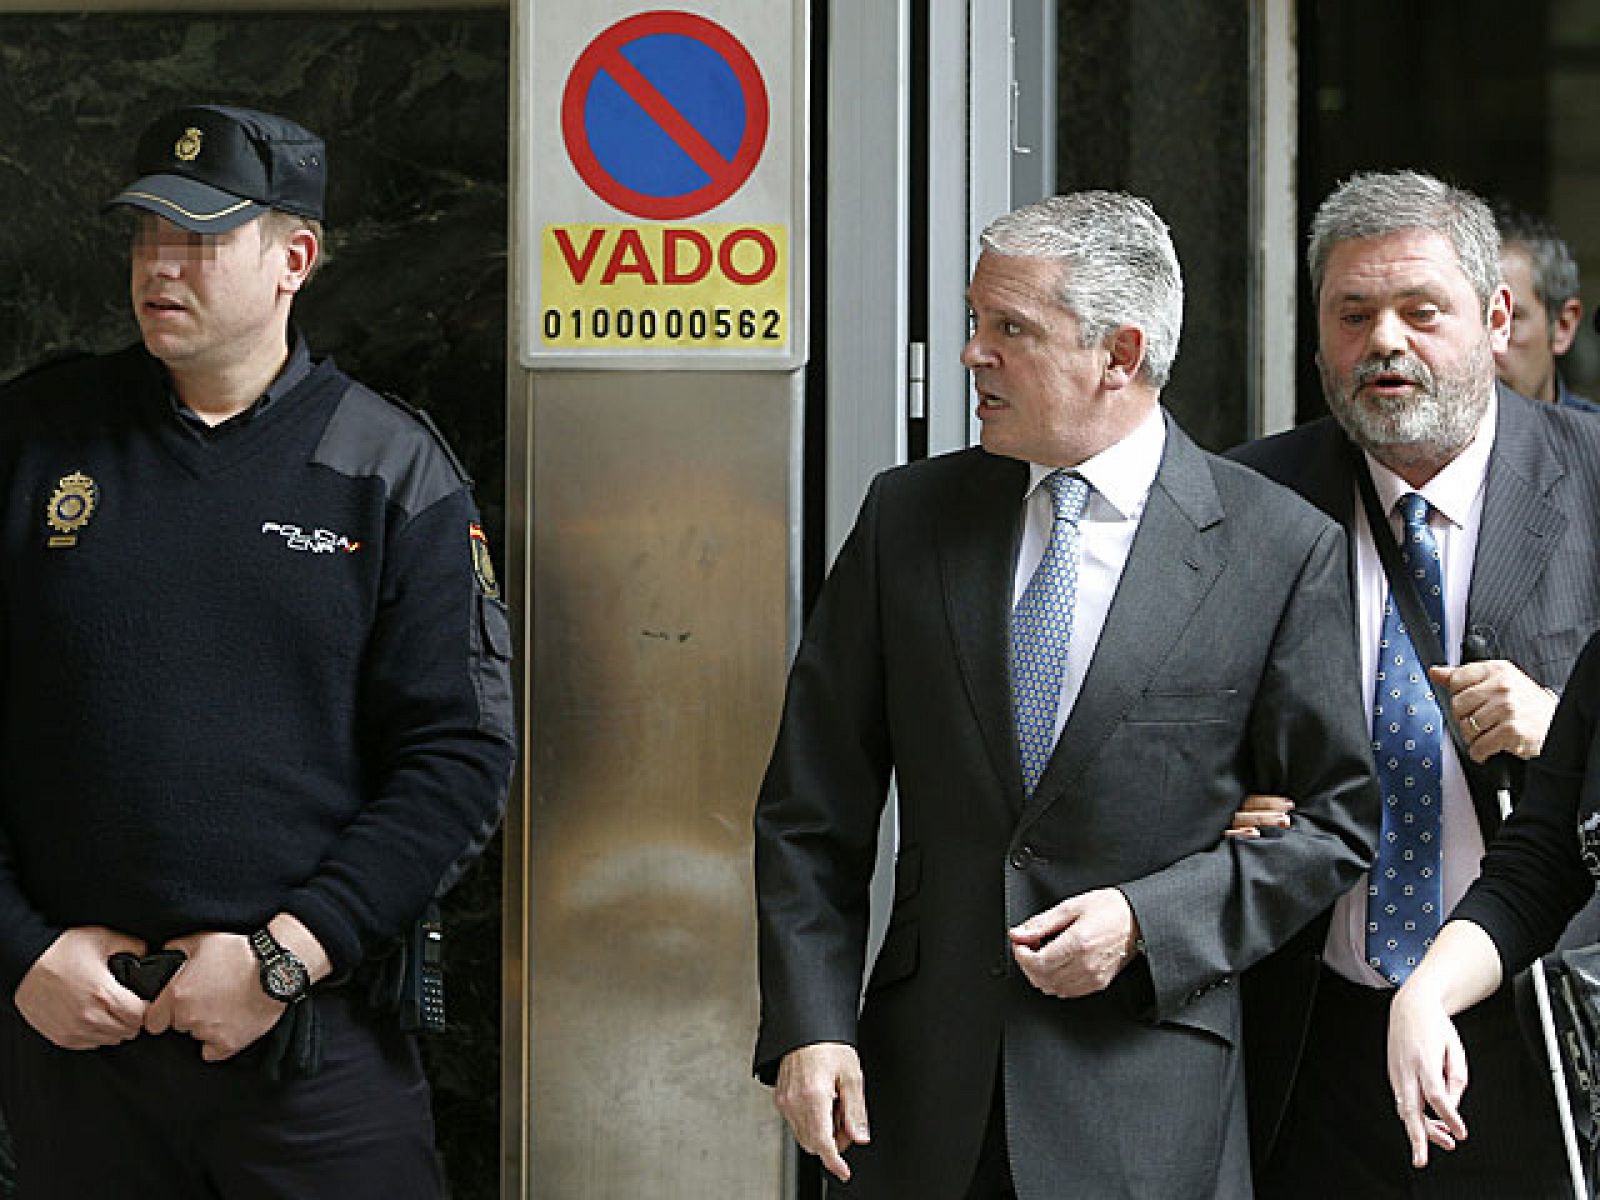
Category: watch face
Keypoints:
(284, 978)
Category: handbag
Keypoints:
(1573, 977)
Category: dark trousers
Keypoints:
(149, 1120)
(992, 1179)
(1341, 1137)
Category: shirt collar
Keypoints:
(1454, 490)
(1121, 474)
(294, 370)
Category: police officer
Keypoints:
(256, 714)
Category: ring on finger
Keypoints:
(1472, 723)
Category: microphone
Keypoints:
(1475, 646)
(1482, 642)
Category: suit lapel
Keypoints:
(1519, 531)
(1325, 479)
(977, 543)
(1175, 558)
(1521, 527)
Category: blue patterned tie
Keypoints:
(1041, 627)
(1403, 898)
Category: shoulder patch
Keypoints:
(371, 435)
(482, 564)
(421, 416)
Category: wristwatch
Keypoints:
(283, 976)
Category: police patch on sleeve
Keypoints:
(482, 564)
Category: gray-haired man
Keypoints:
(1076, 648)
(1496, 501)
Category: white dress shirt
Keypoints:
(1455, 497)
(1119, 480)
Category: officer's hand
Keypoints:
(216, 997)
(1079, 946)
(70, 997)
(821, 1095)
(1499, 708)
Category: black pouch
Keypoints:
(406, 984)
(292, 1049)
(1573, 979)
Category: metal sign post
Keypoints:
(655, 456)
(665, 187)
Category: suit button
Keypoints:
(1022, 858)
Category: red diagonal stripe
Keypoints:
(660, 109)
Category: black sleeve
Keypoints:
(1534, 878)
(439, 737)
(26, 935)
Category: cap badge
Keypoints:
(71, 505)
(188, 146)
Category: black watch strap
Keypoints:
(265, 945)
(283, 976)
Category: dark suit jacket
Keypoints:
(1535, 594)
(1225, 664)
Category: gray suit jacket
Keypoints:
(1225, 665)
(1535, 595)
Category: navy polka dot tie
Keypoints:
(1041, 627)
(1403, 898)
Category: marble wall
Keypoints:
(414, 109)
(1184, 145)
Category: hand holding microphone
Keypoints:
(1500, 710)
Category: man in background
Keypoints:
(1493, 503)
(1546, 308)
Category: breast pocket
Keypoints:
(1187, 707)
(1555, 651)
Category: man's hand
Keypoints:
(70, 997)
(1077, 947)
(216, 997)
(1427, 1071)
(821, 1095)
(1499, 708)
(1258, 813)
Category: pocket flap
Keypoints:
(1213, 1010)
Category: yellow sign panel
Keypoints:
(650, 287)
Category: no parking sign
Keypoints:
(662, 185)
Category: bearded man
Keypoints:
(1494, 502)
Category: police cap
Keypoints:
(210, 168)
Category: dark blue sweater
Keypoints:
(242, 674)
